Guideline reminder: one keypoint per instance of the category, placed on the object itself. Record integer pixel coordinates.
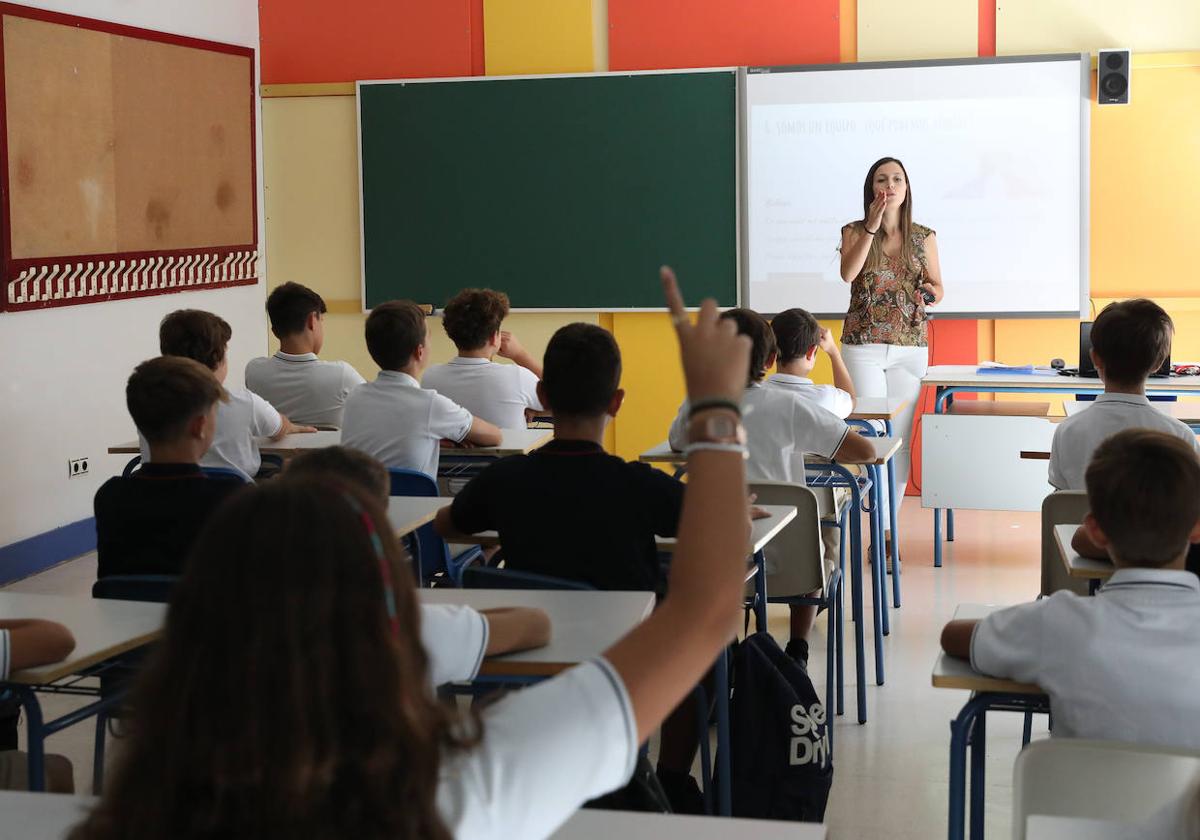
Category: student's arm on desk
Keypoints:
(287, 427)
(657, 664)
(855, 449)
(515, 628)
(35, 641)
(482, 433)
(956, 637)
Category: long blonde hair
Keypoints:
(875, 255)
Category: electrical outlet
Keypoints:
(77, 467)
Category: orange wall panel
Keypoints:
(319, 41)
(656, 34)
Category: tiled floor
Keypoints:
(890, 774)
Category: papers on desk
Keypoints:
(998, 369)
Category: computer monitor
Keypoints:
(1086, 368)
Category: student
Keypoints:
(308, 389)
(1117, 666)
(204, 337)
(394, 419)
(146, 522)
(798, 337)
(781, 427)
(500, 394)
(340, 736)
(1130, 339)
(569, 509)
(27, 643)
(456, 638)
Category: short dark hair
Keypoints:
(1143, 487)
(195, 334)
(473, 316)
(754, 325)
(342, 464)
(165, 393)
(1132, 339)
(581, 371)
(796, 332)
(394, 331)
(289, 306)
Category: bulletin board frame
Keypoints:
(56, 274)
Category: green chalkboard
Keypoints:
(565, 192)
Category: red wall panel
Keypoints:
(657, 34)
(320, 41)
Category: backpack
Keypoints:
(780, 763)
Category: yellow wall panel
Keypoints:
(538, 36)
(652, 378)
(888, 30)
(1043, 26)
(1144, 216)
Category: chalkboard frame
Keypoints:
(736, 233)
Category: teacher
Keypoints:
(892, 265)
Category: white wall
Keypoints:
(63, 371)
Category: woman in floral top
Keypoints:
(892, 266)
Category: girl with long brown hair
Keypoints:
(289, 696)
(891, 264)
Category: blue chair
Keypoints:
(433, 554)
(220, 471)
(485, 577)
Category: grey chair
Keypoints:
(1063, 507)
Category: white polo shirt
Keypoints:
(491, 391)
(829, 397)
(545, 751)
(401, 424)
(245, 417)
(455, 639)
(781, 427)
(307, 389)
(1076, 438)
(1123, 665)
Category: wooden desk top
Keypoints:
(287, 446)
(49, 816)
(627, 825)
(582, 624)
(877, 408)
(102, 629)
(1186, 412)
(965, 376)
(408, 513)
(512, 442)
(1034, 455)
(1076, 566)
(952, 672)
(662, 454)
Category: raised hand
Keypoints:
(715, 357)
(510, 348)
(827, 342)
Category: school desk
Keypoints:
(286, 447)
(40, 816)
(1094, 571)
(588, 824)
(948, 380)
(103, 629)
(968, 730)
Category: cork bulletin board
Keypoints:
(128, 161)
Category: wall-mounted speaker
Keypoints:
(1113, 76)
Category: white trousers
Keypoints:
(890, 370)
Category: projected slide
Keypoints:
(994, 156)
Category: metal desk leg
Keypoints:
(760, 591)
(937, 538)
(36, 736)
(721, 686)
(949, 524)
(700, 698)
(856, 605)
(978, 742)
(960, 733)
(98, 753)
(878, 555)
(841, 623)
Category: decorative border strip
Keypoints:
(37, 553)
(65, 281)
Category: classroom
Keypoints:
(449, 412)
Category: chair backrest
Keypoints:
(434, 554)
(485, 577)
(155, 588)
(1103, 780)
(1063, 507)
(794, 556)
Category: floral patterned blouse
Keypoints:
(886, 306)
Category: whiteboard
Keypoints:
(997, 156)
